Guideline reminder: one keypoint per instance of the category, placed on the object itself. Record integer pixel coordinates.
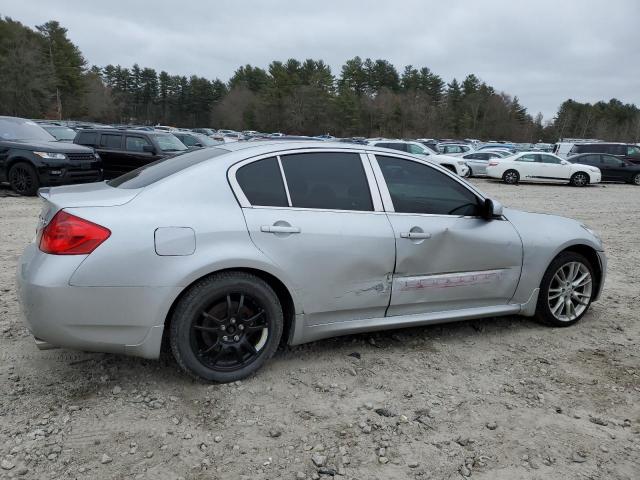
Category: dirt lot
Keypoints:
(494, 399)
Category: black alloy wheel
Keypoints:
(23, 179)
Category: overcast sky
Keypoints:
(543, 51)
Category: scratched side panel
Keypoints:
(465, 263)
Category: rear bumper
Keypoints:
(124, 320)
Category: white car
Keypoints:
(541, 167)
(454, 149)
(456, 165)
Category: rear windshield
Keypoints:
(152, 172)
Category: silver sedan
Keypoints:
(230, 251)
(478, 161)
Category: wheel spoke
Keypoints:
(254, 318)
(553, 296)
(240, 305)
(206, 329)
(557, 307)
(209, 349)
(254, 328)
(238, 353)
(568, 307)
(211, 317)
(249, 347)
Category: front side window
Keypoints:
(550, 159)
(327, 180)
(136, 144)
(113, 142)
(262, 183)
(592, 159)
(418, 188)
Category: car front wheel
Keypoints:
(636, 179)
(226, 327)
(566, 290)
(23, 179)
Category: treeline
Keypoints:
(43, 74)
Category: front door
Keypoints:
(552, 167)
(323, 227)
(447, 257)
(613, 168)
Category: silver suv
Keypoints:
(228, 252)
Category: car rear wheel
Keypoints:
(511, 177)
(566, 290)
(23, 179)
(636, 179)
(226, 327)
(469, 173)
(579, 179)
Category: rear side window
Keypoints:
(111, 141)
(327, 180)
(262, 184)
(633, 151)
(587, 159)
(87, 138)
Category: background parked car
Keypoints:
(59, 132)
(124, 150)
(613, 169)
(454, 164)
(542, 167)
(31, 158)
(195, 140)
(454, 149)
(626, 151)
(478, 161)
(205, 131)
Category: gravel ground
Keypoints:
(492, 399)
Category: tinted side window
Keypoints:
(418, 188)
(136, 144)
(188, 140)
(87, 138)
(529, 157)
(262, 184)
(395, 146)
(633, 151)
(611, 161)
(111, 141)
(587, 159)
(416, 149)
(333, 181)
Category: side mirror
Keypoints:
(491, 209)
(149, 149)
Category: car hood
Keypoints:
(52, 146)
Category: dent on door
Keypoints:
(456, 263)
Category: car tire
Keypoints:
(579, 179)
(511, 177)
(635, 180)
(23, 179)
(578, 286)
(226, 326)
(469, 173)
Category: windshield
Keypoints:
(21, 129)
(61, 133)
(169, 143)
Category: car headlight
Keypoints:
(592, 232)
(51, 155)
(461, 163)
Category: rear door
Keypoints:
(324, 226)
(448, 258)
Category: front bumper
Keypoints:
(124, 320)
(69, 174)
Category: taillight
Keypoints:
(493, 164)
(67, 234)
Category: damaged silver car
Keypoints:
(228, 252)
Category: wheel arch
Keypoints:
(18, 159)
(281, 290)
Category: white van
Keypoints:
(564, 146)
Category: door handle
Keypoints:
(279, 229)
(415, 235)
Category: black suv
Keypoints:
(124, 150)
(613, 169)
(31, 158)
(626, 151)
